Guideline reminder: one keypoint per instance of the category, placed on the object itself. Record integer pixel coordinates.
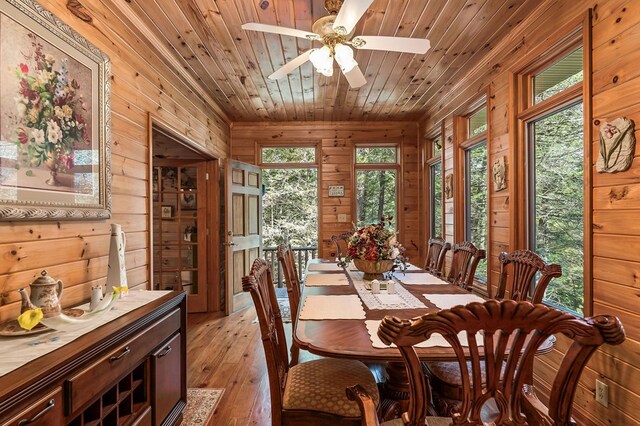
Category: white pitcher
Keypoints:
(117, 273)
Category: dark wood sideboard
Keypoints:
(131, 371)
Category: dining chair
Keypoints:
(436, 253)
(341, 243)
(464, 263)
(503, 333)
(518, 270)
(311, 393)
(288, 265)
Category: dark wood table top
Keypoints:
(349, 338)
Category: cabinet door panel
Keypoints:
(165, 375)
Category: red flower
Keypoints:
(22, 137)
(24, 68)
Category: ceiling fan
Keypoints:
(335, 32)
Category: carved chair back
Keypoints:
(260, 285)
(341, 244)
(436, 253)
(506, 334)
(288, 264)
(518, 270)
(465, 260)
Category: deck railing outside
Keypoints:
(301, 256)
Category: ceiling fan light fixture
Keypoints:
(344, 57)
(322, 60)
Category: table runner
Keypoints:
(419, 278)
(400, 299)
(323, 307)
(18, 351)
(312, 280)
(448, 301)
(436, 339)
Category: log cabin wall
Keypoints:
(615, 259)
(76, 252)
(336, 165)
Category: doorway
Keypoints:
(184, 200)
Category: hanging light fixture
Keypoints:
(344, 57)
(322, 60)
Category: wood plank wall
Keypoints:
(76, 251)
(616, 200)
(337, 141)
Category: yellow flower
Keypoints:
(30, 318)
(118, 290)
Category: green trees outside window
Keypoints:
(476, 201)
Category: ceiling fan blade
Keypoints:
(394, 44)
(254, 26)
(290, 66)
(355, 78)
(350, 13)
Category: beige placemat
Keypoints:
(448, 301)
(318, 307)
(324, 267)
(325, 279)
(419, 278)
(436, 340)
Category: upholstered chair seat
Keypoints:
(320, 386)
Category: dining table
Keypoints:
(339, 316)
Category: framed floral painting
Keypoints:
(54, 119)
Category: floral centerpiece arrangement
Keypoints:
(374, 249)
(50, 112)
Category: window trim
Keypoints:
(569, 37)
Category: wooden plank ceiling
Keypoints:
(231, 65)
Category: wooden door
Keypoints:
(180, 193)
(243, 228)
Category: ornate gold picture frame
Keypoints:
(55, 119)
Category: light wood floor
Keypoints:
(226, 352)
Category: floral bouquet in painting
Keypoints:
(51, 114)
(374, 249)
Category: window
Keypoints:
(435, 196)
(555, 182)
(290, 202)
(376, 184)
(472, 158)
(279, 155)
(558, 77)
(476, 194)
(434, 178)
(477, 122)
(377, 155)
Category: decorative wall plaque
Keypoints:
(448, 186)
(617, 143)
(499, 172)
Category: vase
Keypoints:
(373, 269)
(53, 164)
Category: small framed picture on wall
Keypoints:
(166, 212)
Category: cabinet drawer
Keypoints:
(83, 387)
(165, 378)
(45, 412)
